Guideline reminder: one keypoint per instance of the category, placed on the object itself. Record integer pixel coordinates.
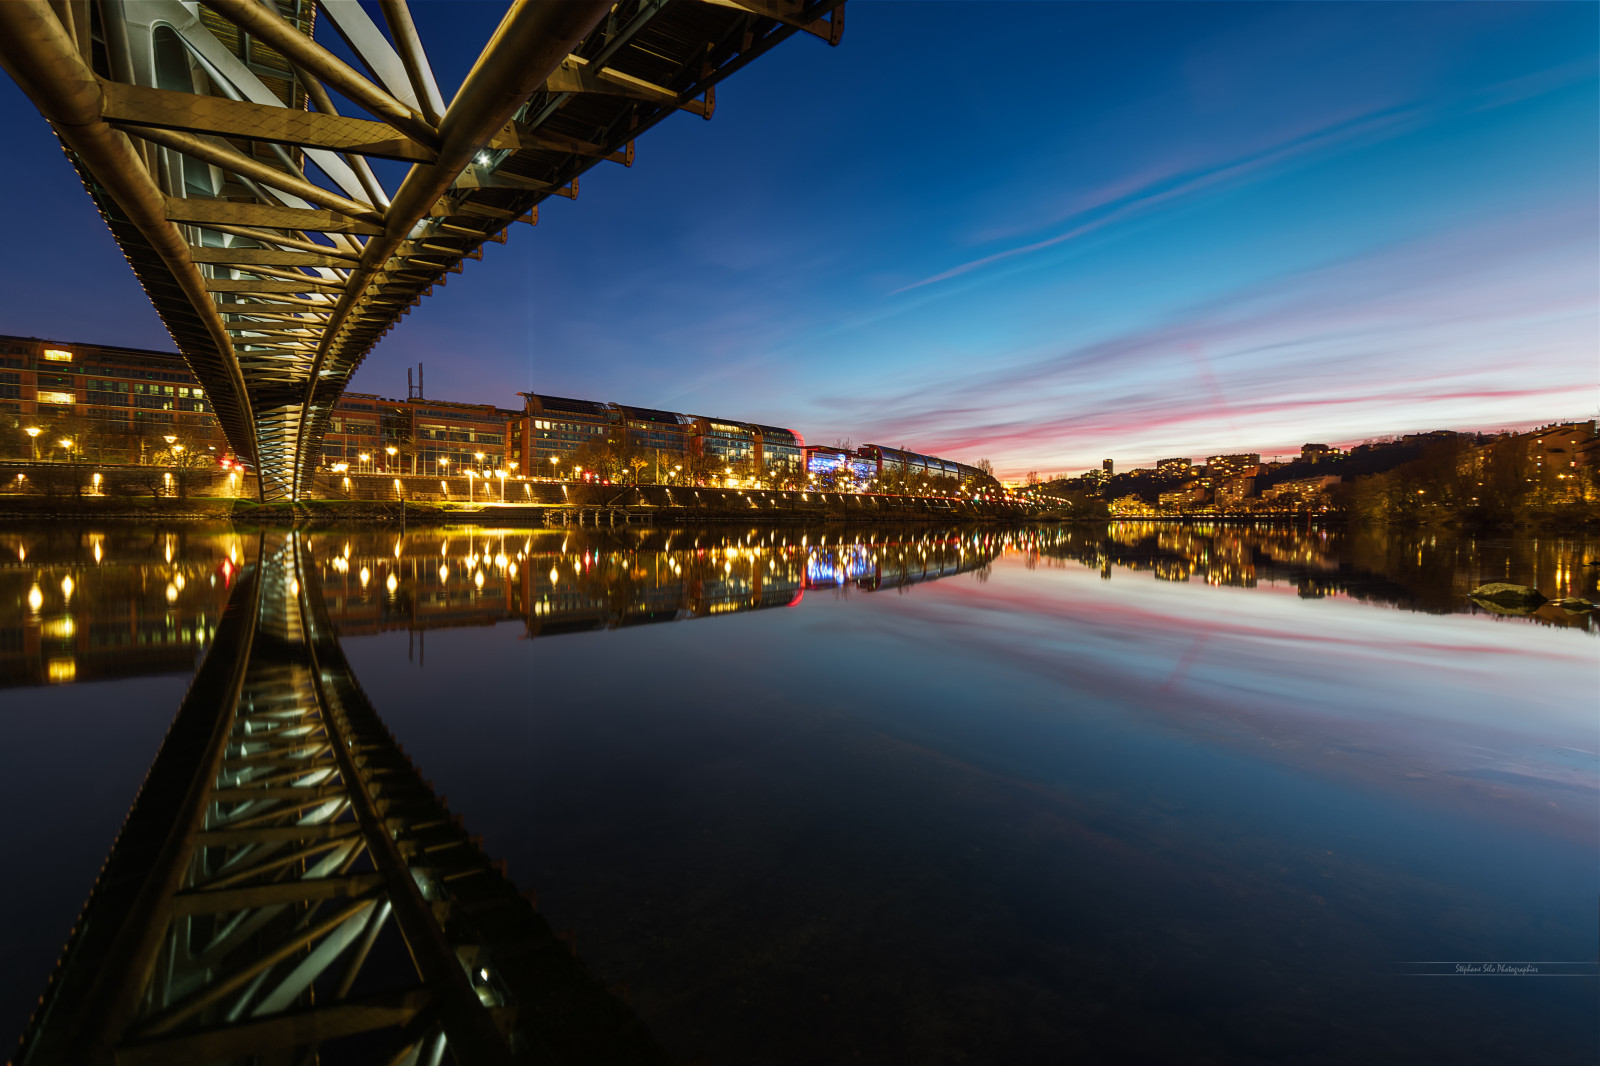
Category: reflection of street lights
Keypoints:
(33, 438)
(501, 474)
(470, 475)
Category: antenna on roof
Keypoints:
(414, 392)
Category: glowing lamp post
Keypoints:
(33, 439)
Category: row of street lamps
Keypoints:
(70, 445)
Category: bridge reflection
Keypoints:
(287, 882)
(287, 885)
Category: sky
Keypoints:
(1038, 233)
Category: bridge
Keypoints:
(212, 140)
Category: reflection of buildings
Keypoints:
(93, 606)
(1421, 570)
(557, 582)
(88, 606)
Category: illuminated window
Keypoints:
(56, 397)
(56, 355)
(62, 670)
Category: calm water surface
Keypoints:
(1126, 794)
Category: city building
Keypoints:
(837, 468)
(1306, 488)
(1562, 447)
(897, 470)
(1319, 453)
(659, 432)
(1234, 489)
(724, 444)
(447, 437)
(1185, 495)
(354, 436)
(782, 455)
(1106, 471)
(553, 427)
(104, 404)
(1219, 467)
(1174, 467)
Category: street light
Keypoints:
(365, 458)
(501, 474)
(391, 449)
(33, 438)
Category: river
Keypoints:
(1133, 793)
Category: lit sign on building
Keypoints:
(57, 355)
(56, 397)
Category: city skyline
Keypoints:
(1193, 234)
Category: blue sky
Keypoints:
(1039, 233)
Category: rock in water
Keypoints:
(1505, 594)
(1574, 603)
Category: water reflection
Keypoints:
(86, 606)
(562, 583)
(1204, 764)
(118, 602)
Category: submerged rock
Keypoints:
(1574, 603)
(1505, 594)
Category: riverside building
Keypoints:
(370, 434)
(102, 403)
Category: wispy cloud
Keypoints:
(1173, 187)
(1410, 335)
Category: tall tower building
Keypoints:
(1105, 468)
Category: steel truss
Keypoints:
(286, 879)
(212, 142)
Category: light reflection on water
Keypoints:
(1145, 792)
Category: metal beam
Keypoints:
(139, 105)
(235, 161)
(266, 216)
(267, 257)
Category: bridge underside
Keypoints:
(228, 151)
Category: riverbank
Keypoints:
(652, 505)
